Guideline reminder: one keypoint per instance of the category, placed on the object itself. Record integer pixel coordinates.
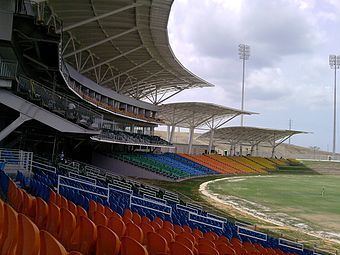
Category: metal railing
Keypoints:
(16, 160)
(59, 103)
(8, 69)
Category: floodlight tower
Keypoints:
(334, 63)
(244, 53)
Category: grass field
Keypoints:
(295, 200)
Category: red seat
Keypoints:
(49, 245)
(107, 242)
(11, 231)
(135, 232)
(117, 225)
(29, 239)
(53, 219)
(132, 247)
(156, 243)
(177, 248)
(99, 218)
(41, 212)
(67, 227)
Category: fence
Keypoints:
(16, 160)
(59, 103)
(8, 69)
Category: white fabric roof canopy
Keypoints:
(123, 45)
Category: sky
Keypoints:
(287, 74)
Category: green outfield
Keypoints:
(308, 201)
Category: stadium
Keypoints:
(85, 167)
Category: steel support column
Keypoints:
(191, 138)
(14, 125)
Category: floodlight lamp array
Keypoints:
(334, 61)
(244, 51)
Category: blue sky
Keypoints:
(287, 76)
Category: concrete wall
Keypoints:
(123, 168)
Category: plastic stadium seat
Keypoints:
(67, 227)
(28, 240)
(146, 220)
(187, 229)
(29, 205)
(166, 234)
(117, 225)
(197, 233)
(108, 242)
(115, 215)
(132, 247)
(155, 225)
(84, 236)
(156, 244)
(108, 212)
(63, 202)
(224, 249)
(222, 239)
(11, 231)
(168, 225)
(2, 220)
(49, 245)
(203, 248)
(146, 228)
(53, 219)
(41, 212)
(100, 208)
(205, 241)
(191, 237)
(184, 240)
(127, 214)
(135, 232)
(178, 229)
(72, 207)
(212, 236)
(53, 197)
(177, 248)
(81, 211)
(159, 221)
(92, 209)
(100, 219)
(136, 218)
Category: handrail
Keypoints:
(8, 69)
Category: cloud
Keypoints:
(287, 73)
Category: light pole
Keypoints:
(334, 63)
(244, 53)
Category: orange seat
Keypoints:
(155, 225)
(41, 212)
(156, 243)
(224, 249)
(108, 212)
(187, 229)
(117, 226)
(29, 205)
(107, 242)
(64, 202)
(2, 220)
(29, 239)
(197, 233)
(159, 221)
(127, 214)
(136, 218)
(177, 248)
(100, 208)
(178, 229)
(212, 236)
(49, 245)
(11, 231)
(67, 227)
(168, 225)
(191, 237)
(169, 237)
(146, 228)
(184, 240)
(92, 209)
(81, 211)
(72, 208)
(84, 236)
(100, 218)
(53, 197)
(131, 247)
(58, 200)
(116, 215)
(203, 248)
(135, 232)
(53, 219)
(146, 220)
(207, 242)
